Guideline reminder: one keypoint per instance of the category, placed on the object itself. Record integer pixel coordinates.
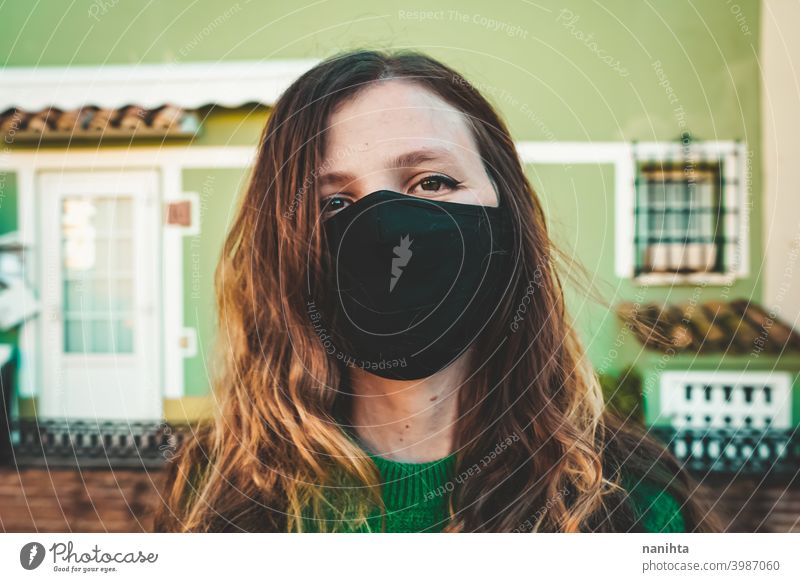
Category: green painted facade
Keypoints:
(217, 188)
(588, 72)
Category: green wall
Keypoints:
(674, 65)
(8, 202)
(534, 62)
(217, 190)
(543, 73)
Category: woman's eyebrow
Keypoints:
(405, 160)
(335, 178)
(420, 156)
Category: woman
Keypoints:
(397, 356)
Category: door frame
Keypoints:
(142, 185)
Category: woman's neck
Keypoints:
(409, 421)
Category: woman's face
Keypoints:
(396, 135)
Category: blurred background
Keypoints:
(661, 136)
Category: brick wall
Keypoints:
(749, 506)
(64, 500)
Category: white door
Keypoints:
(99, 282)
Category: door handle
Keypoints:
(55, 313)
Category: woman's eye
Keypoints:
(437, 184)
(331, 205)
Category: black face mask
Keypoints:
(413, 281)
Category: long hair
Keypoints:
(275, 452)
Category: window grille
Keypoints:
(685, 213)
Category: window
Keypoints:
(98, 260)
(688, 212)
(678, 215)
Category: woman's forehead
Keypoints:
(392, 117)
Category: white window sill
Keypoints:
(671, 279)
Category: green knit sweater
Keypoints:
(416, 497)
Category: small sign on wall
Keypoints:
(179, 213)
(183, 213)
(188, 342)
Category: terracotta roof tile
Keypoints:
(739, 327)
(93, 122)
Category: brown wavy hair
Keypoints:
(275, 450)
